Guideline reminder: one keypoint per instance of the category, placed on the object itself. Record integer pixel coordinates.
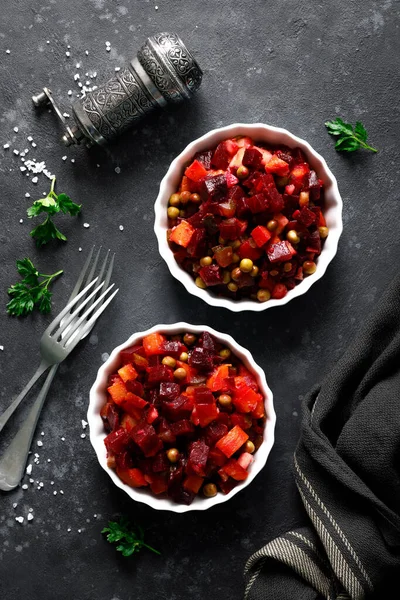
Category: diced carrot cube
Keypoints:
(132, 477)
(127, 373)
(216, 381)
(235, 470)
(259, 411)
(261, 235)
(117, 391)
(193, 483)
(182, 234)
(203, 414)
(232, 441)
(196, 171)
(158, 482)
(277, 165)
(282, 222)
(245, 400)
(185, 184)
(153, 343)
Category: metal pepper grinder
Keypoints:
(163, 72)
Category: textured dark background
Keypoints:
(289, 63)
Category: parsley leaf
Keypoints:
(51, 205)
(349, 139)
(30, 292)
(130, 538)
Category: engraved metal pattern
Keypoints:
(159, 74)
(116, 105)
(180, 58)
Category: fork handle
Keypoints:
(14, 405)
(13, 461)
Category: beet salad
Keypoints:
(247, 220)
(184, 417)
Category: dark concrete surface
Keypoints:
(293, 64)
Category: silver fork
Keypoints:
(70, 327)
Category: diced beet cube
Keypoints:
(144, 435)
(227, 486)
(203, 395)
(281, 251)
(258, 203)
(214, 432)
(135, 387)
(314, 242)
(124, 460)
(215, 186)
(231, 180)
(216, 458)
(198, 243)
(164, 431)
(183, 496)
(159, 374)
(201, 359)
(229, 229)
(243, 420)
(198, 454)
(126, 354)
(176, 409)
(117, 441)
(264, 182)
(204, 158)
(169, 391)
(211, 275)
(182, 427)
(223, 154)
(206, 341)
(307, 217)
(279, 291)
(288, 158)
(173, 349)
(242, 207)
(160, 463)
(203, 414)
(111, 417)
(175, 481)
(252, 158)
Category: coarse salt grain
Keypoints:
(87, 52)
(117, 69)
(121, 227)
(72, 160)
(84, 424)
(55, 493)
(8, 51)
(31, 480)
(34, 145)
(16, 152)
(30, 517)
(51, 482)
(76, 77)
(15, 505)
(64, 158)
(21, 220)
(29, 138)
(1, 348)
(16, 129)
(79, 249)
(68, 54)
(117, 170)
(22, 169)
(25, 486)
(83, 435)
(69, 529)
(6, 146)
(78, 65)
(65, 114)
(29, 469)
(19, 519)
(63, 439)
(61, 492)
(34, 179)
(86, 225)
(69, 92)
(39, 443)
(27, 195)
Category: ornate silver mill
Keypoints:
(163, 72)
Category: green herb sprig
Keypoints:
(32, 292)
(130, 538)
(52, 204)
(349, 138)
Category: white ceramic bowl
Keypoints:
(260, 133)
(98, 397)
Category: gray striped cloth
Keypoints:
(347, 471)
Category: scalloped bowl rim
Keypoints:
(262, 133)
(97, 434)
